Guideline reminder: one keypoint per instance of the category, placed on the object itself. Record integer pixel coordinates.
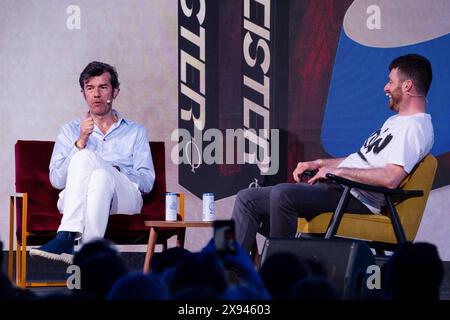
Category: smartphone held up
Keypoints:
(224, 236)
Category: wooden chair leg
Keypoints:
(23, 266)
(11, 238)
(23, 259)
(18, 264)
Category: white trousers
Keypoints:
(94, 190)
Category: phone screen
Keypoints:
(224, 236)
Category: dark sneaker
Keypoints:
(60, 248)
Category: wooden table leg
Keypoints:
(150, 248)
(181, 235)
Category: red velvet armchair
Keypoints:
(37, 217)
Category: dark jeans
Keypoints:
(273, 211)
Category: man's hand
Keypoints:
(321, 174)
(86, 128)
(303, 166)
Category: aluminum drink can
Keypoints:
(208, 207)
(171, 206)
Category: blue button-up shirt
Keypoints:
(124, 145)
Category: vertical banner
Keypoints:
(264, 90)
(198, 93)
(232, 125)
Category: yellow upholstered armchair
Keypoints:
(398, 222)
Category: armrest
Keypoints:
(363, 186)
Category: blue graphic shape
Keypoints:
(357, 105)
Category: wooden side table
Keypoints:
(154, 225)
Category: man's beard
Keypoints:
(396, 99)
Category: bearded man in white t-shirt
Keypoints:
(385, 159)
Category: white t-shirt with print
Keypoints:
(402, 140)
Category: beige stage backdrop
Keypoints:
(44, 44)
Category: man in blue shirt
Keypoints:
(102, 162)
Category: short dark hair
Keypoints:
(416, 68)
(95, 69)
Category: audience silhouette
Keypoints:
(100, 265)
(414, 272)
(314, 288)
(280, 272)
(138, 286)
(203, 271)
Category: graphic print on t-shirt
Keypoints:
(375, 143)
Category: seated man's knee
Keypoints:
(81, 159)
(101, 177)
(279, 192)
(244, 195)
